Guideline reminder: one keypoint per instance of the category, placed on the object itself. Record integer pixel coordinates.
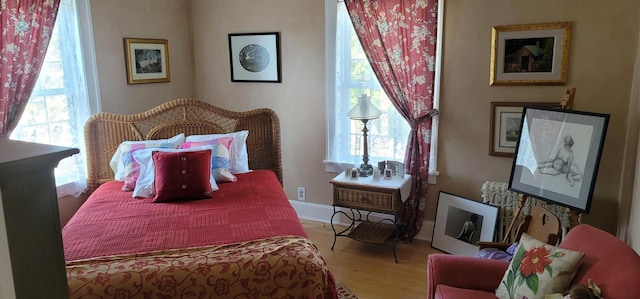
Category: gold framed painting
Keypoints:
(147, 60)
(530, 54)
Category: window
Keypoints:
(59, 104)
(348, 76)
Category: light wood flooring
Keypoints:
(369, 270)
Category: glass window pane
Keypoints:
(388, 134)
(58, 106)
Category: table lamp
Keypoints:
(364, 111)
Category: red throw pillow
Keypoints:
(182, 175)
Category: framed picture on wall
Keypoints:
(558, 155)
(461, 223)
(255, 57)
(147, 60)
(504, 129)
(530, 54)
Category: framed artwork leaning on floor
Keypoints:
(461, 223)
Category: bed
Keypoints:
(246, 241)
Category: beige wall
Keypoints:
(602, 55)
(298, 100)
(603, 50)
(161, 19)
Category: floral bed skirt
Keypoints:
(277, 267)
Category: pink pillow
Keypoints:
(182, 176)
(126, 169)
(220, 157)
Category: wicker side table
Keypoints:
(357, 199)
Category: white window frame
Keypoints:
(331, 10)
(89, 55)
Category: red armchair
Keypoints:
(608, 261)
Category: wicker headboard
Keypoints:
(105, 131)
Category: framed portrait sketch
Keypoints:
(504, 129)
(461, 223)
(147, 60)
(530, 54)
(558, 155)
(255, 57)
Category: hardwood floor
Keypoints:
(369, 270)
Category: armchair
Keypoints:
(608, 261)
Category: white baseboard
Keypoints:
(323, 213)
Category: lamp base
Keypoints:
(366, 170)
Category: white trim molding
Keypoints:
(322, 213)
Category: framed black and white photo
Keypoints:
(558, 155)
(255, 57)
(461, 223)
(147, 60)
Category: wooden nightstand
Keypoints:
(366, 194)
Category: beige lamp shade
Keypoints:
(364, 110)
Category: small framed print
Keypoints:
(504, 129)
(255, 57)
(354, 173)
(400, 169)
(388, 173)
(376, 174)
(147, 60)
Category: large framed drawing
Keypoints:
(147, 60)
(504, 129)
(255, 57)
(461, 223)
(530, 54)
(558, 155)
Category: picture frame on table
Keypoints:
(558, 155)
(461, 223)
(504, 128)
(147, 60)
(530, 54)
(255, 57)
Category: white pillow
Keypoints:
(116, 163)
(240, 161)
(145, 187)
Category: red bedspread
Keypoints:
(111, 222)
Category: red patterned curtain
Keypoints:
(399, 38)
(26, 28)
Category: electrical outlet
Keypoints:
(302, 194)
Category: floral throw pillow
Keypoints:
(538, 269)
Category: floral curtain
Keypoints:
(399, 38)
(26, 30)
